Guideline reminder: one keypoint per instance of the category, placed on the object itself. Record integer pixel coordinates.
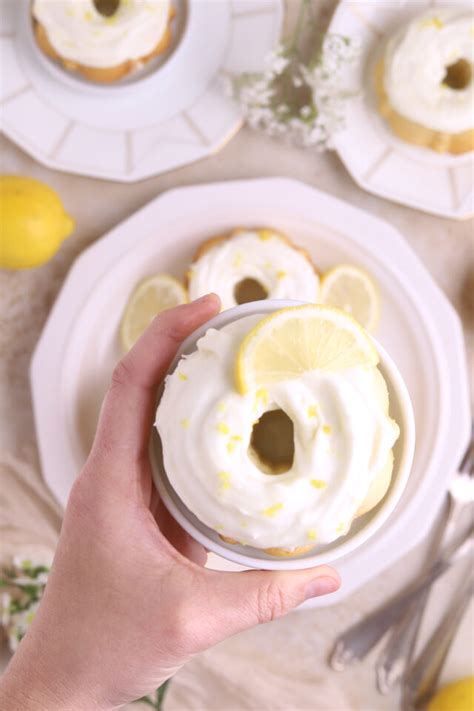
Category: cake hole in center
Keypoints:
(107, 8)
(458, 75)
(249, 290)
(272, 446)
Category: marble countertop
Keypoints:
(295, 647)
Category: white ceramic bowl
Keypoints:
(362, 528)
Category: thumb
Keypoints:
(237, 601)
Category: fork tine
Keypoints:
(467, 462)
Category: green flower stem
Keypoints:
(157, 703)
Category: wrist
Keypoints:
(28, 684)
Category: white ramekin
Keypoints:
(361, 530)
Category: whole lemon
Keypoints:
(33, 222)
(458, 696)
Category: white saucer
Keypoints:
(148, 124)
(379, 162)
(419, 328)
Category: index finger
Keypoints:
(128, 407)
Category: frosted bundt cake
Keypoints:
(276, 431)
(103, 40)
(251, 265)
(424, 82)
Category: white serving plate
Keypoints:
(74, 357)
(377, 159)
(150, 123)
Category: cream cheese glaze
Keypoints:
(283, 271)
(343, 438)
(416, 60)
(78, 32)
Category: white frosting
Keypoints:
(264, 256)
(78, 32)
(416, 59)
(342, 436)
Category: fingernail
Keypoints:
(321, 586)
(203, 299)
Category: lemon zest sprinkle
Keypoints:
(327, 429)
(184, 423)
(231, 447)
(272, 510)
(312, 535)
(433, 22)
(224, 479)
(318, 483)
(182, 376)
(223, 428)
(88, 16)
(281, 274)
(341, 527)
(312, 411)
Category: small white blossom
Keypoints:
(315, 98)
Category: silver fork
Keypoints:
(397, 652)
(421, 677)
(361, 638)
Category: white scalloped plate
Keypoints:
(74, 357)
(149, 124)
(378, 161)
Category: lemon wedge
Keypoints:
(351, 289)
(152, 295)
(296, 339)
(458, 696)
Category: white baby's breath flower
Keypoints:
(304, 101)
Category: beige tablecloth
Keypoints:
(281, 665)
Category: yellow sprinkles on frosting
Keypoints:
(312, 535)
(182, 376)
(281, 274)
(223, 428)
(327, 429)
(435, 22)
(341, 527)
(318, 483)
(224, 478)
(312, 411)
(272, 510)
(184, 423)
(232, 443)
(261, 395)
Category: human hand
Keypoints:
(128, 600)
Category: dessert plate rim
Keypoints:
(177, 115)
(396, 170)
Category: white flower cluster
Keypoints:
(24, 582)
(303, 102)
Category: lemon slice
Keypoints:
(297, 339)
(150, 296)
(352, 290)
